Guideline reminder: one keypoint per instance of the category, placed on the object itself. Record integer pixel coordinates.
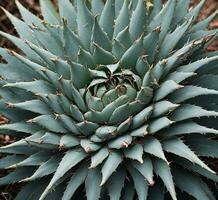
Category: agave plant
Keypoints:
(110, 100)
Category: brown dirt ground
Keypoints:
(9, 192)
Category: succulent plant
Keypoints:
(110, 100)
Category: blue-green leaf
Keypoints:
(76, 180)
(140, 183)
(113, 160)
(203, 146)
(162, 169)
(146, 169)
(49, 12)
(177, 147)
(68, 11)
(192, 184)
(85, 22)
(189, 127)
(116, 183)
(188, 111)
(134, 152)
(45, 169)
(92, 184)
(50, 123)
(107, 17)
(153, 146)
(122, 20)
(138, 20)
(70, 159)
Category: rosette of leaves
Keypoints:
(111, 100)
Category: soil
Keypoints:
(9, 192)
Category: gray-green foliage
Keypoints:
(110, 100)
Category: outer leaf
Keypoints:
(203, 146)
(72, 44)
(165, 89)
(196, 168)
(122, 20)
(80, 75)
(177, 147)
(68, 11)
(178, 77)
(107, 17)
(153, 146)
(102, 56)
(157, 192)
(118, 7)
(192, 184)
(135, 152)
(68, 123)
(97, 6)
(100, 37)
(20, 127)
(128, 192)
(163, 107)
(150, 43)
(163, 170)
(35, 106)
(204, 23)
(50, 138)
(87, 128)
(21, 45)
(116, 118)
(113, 160)
(195, 11)
(188, 111)
(36, 87)
(85, 22)
(142, 66)
(32, 190)
(180, 11)
(10, 160)
(45, 169)
(35, 159)
(141, 117)
(76, 180)
(141, 185)
(157, 5)
(167, 18)
(124, 38)
(92, 184)
(49, 12)
(159, 124)
(22, 28)
(50, 123)
(116, 183)
(184, 128)
(28, 17)
(71, 158)
(146, 169)
(138, 20)
(189, 92)
(173, 38)
(99, 157)
(17, 175)
(69, 141)
(130, 57)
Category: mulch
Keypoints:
(9, 192)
